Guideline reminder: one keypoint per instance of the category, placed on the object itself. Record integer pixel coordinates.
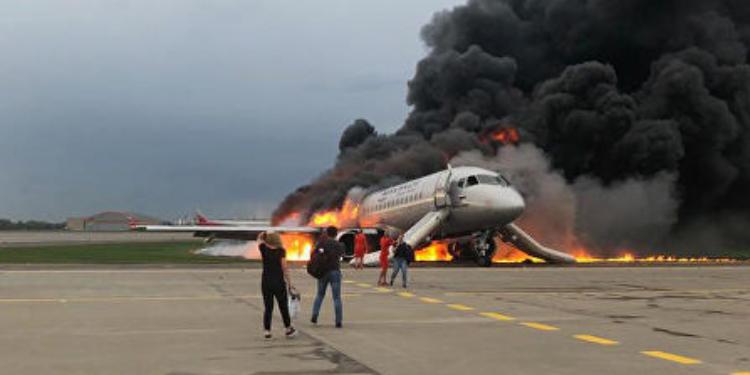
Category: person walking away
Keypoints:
(332, 250)
(360, 249)
(274, 282)
(385, 251)
(401, 258)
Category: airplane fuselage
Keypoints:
(478, 199)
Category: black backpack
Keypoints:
(403, 250)
(316, 266)
(409, 254)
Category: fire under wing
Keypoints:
(229, 232)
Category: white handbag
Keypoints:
(294, 298)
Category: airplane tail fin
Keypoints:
(200, 218)
(132, 223)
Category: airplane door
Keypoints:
(457, 193)
(442, 185)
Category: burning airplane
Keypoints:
(641, 109)
(456, 203)
(643, 123)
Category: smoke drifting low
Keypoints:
(640, 108)
(630, 214)
(243, 249)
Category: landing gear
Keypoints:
(480, 248)
(484, 261)
(485, 247)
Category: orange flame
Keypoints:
(584, 256)
(298, 246)
(630, 258)
(505, 135)
(509, 254)
(347, 215)
(435, 251)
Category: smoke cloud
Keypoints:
(640, 108)
(243, 249)
(631, 214)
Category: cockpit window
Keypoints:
(488, 180)
(472, 180)
(461, 182)
(492, 180)
(504, 181)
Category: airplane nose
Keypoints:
(515, 204)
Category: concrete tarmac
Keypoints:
(588, 320)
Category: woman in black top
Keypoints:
(274, 281)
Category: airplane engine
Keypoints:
(346, 237)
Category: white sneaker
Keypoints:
(291, 333)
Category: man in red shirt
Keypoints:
(360, 249)
(385, 246)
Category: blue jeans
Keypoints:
(403, 265)
(333, 278)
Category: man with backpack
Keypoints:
(325, 266)
(403, 255)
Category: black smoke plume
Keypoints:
(610, 91)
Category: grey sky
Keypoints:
(162, 107)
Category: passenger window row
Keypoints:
(393, 203)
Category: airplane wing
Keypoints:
(231, 232)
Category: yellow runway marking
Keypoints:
(430, 300)
(741, 373)
(406, 294)
(672, 357)
(364, 285)
(540, 326)
(383, 290)
(460, 307)
(596, 340)
(497, 316)
(348, 282)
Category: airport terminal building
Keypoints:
(109, 221)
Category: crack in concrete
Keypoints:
(674, 333)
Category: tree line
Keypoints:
(6, 224)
